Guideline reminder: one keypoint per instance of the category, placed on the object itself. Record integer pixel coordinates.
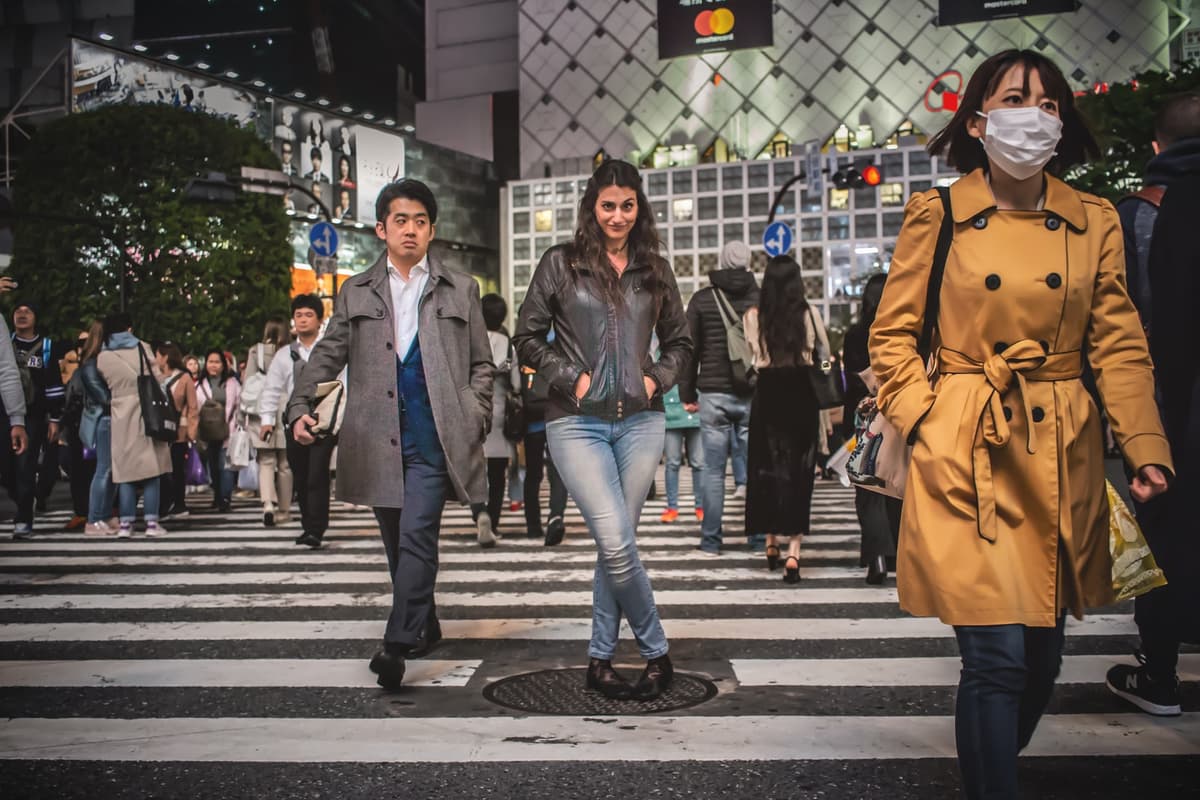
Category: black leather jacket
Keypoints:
(591, 335)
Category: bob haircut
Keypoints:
(965, 153)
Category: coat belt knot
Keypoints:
(1023, 361)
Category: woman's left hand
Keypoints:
(651, 386)
(1150, 482)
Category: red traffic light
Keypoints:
(871, 175)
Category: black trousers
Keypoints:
(497, 469)
(310, 468)
(47, 471)
(21, 471)
(172, 495)
(879, 518)
(537, 461)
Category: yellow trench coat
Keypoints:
(1005, 515)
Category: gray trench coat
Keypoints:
(458, 370)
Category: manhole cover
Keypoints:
(562, 692)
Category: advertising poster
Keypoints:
(957, 12)
(321, 151)
(694, 27)
(380, 161)
(102, 77)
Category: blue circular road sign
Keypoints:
(323, 238)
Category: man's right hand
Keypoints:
(300, 430)
(265, 432)
(20, 439)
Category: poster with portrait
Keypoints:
(320, 151)
(380, 161)
(102, 77)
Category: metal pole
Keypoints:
(779, 195)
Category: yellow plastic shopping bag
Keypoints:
(1134, 569)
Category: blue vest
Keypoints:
(418, 431)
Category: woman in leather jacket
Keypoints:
(604, 295)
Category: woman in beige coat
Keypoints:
(137, 460)
(274, 474)
(1005, 518)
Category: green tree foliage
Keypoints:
(1123, 121)
(102, 192)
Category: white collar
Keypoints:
(421, 267)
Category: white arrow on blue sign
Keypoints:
(777, 239)
(324, 239)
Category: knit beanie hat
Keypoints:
(735, 255)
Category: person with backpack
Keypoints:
(80, 468)
(496, 447)
(218, 394)
(36, 469)
(1162, 271)
(683, 437)
(713, 385)
(179, 387)
(137, 459)
(308, 464)
(274, 474)
(1005, 522)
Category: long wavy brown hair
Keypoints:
(782, 312)
(589, 255)
(95, 341)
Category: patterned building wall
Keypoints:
(591, 77)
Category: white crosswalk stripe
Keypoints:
(224, 606)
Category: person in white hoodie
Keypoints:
(310, 464)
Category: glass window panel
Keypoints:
(520, 196)
(814, 289)
(866, 226)
(839, 226)
(918, 163)
(520, 248)
(658, 183)
(732, 204)
(866, 197)
(892, 223)
(758, 175)
(756, 232)
(681, 209)
(709, 236)
(734, 232)
(892, 165)
(564, 219)
(760, 203)
(521, 222)
(731, 177)
(660, 210)
(784, 172)
(706, 180)
(681, 182)
(839, 199)
(891, 194)
(543, 220)
(787, 203)
(920, 186)
(542, 194)
(564, 192)
(684, 266)
(810, 201)
(707, 208)
(521, 272)
(682, 237)
(849, 268)
(812, 229)
(541, 244)
(812, 259)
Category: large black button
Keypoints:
(394, 442)
(992, 281)
(1053, 223)
(389, 345)
(1038, 414)
(980, 223)
(1007, 413)
(1054, 280)
(391, 394)
(1000, 347)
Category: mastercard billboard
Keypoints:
(693, 27)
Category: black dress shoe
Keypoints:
(268, 519)
(429, 638)
(388, 665)
(877, 571)
(656, 677)
(309, 539)
(555, 532)
(602, 678)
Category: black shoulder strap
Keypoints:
(933, 295)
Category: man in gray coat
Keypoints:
(419, 397)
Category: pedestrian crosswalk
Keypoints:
(223, 643)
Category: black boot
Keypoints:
(877, 571)
(429, 637)
(602, 678)
(656, 677)
(388, 664)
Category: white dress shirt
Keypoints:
(280, 380)
(406, 298)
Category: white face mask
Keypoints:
(1021, 141)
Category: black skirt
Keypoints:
(784, 421)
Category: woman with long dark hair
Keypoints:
(1005, 521)
(605, 294)
(178, 385)
(218, 392)
(783, 333)
(878, 515)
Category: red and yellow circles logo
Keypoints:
(717, 22)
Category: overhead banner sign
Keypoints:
(695, 27)
(958, 12)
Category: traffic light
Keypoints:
(853, 178)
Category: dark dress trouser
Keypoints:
(310, 466)
(410, 533)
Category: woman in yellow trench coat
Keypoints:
(1005, 520)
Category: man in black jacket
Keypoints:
(708, 385)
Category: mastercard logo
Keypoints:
(714, 23)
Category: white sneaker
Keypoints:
(483, 525)
(124, 530)
(154, 529)
(740, 492)
(97, 529)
